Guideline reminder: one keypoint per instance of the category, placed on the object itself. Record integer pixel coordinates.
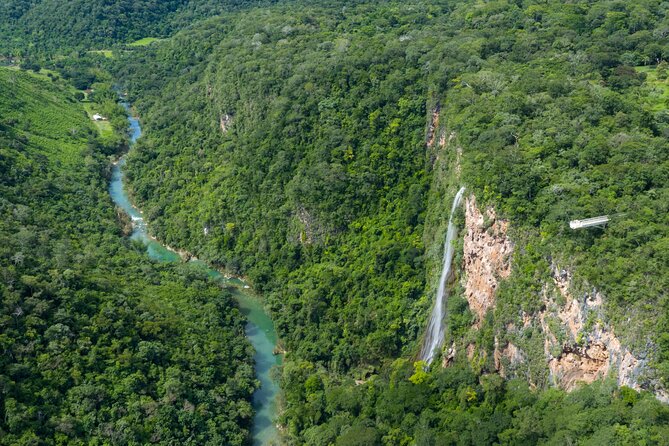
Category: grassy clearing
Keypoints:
(104, 127)
(106, 53)
(144, 42)
(52, 123)
(658, 96)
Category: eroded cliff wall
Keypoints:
(578, 345)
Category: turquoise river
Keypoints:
(259, 328)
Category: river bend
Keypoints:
(259, 327)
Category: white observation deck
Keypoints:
(588, 222)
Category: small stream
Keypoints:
(259, 328)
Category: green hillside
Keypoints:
(47, 26)
(289, 144)
(315, 147)
(51, 127)
(99, 343)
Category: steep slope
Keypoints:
(309, 181)
(552, 132)
(317, 149)
(99, 344)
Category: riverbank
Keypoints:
(259, 330)
(188, 256)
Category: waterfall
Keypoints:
(435, 329)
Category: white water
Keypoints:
(435, 330)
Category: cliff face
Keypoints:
(570, 341)
(433, 128)
(487, 257)
(225, 121)
(578, 345)
(591, 349)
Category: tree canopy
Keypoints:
(100, 345)
(287, 142)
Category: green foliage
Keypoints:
(144, 41)
(303, 193)
(455, 407)
(53, 25)
(295, 135)
(100, 346)
(288, 143)
(547, 141)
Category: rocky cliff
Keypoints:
(579, 346)
(486, 259)
(591, 349)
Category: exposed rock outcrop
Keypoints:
(579, 346)
(442, 139)
(591, 349)
(458, 157)
(225, 121)
(509, 352)
(449, 357)
(309, 229)
(487, 257)
(433, 127)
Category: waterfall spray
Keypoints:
(435, 329)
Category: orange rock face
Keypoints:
(580, 365)
(599, 351)
(583, 347)
(433, 127)
(487, 257)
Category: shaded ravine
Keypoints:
(259, 328)
(434, 336)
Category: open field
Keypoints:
(144, 42)
(104, 127)
(106, 53)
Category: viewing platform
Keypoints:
(588, 222)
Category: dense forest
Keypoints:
(289, 144)
(50, 27)
(100, 346)
(293, 143)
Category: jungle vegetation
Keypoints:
(287, 142)
(49, 27)
(296, 137)
(100, 345)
